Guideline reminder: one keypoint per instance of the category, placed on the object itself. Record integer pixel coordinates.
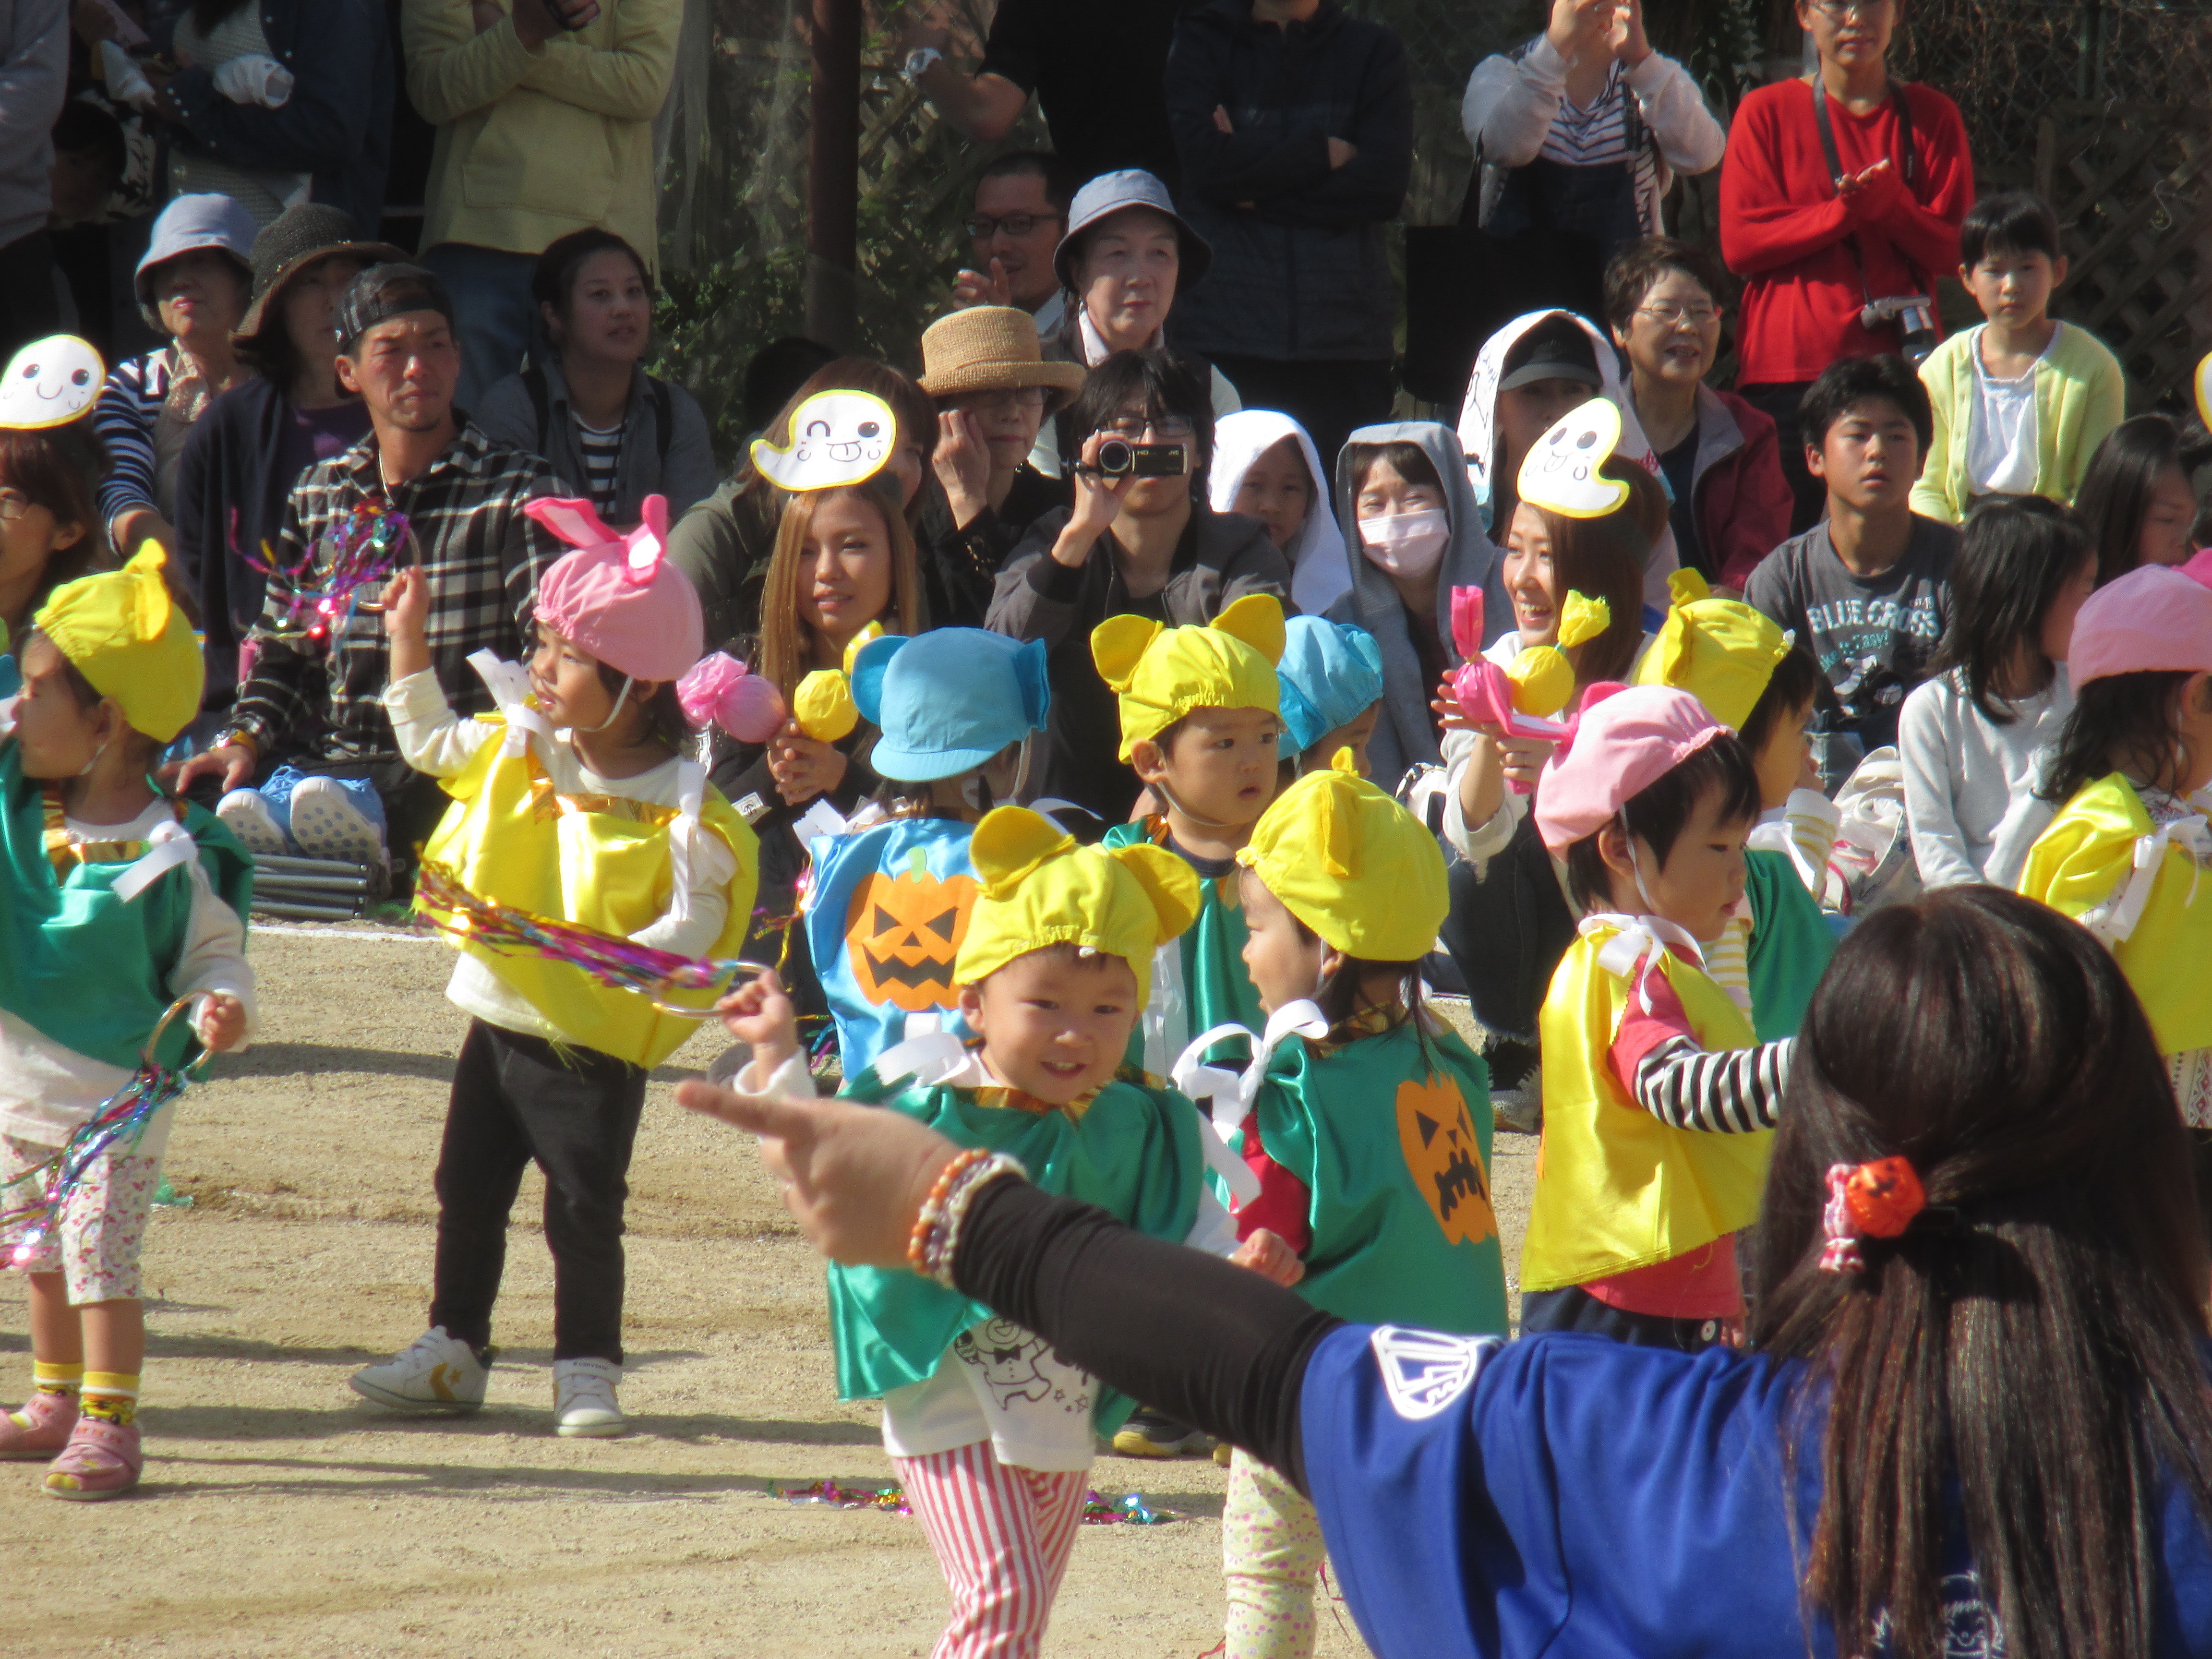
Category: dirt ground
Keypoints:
(283, 1515)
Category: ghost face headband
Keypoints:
(1560, 472)
(50, 383)
(837, 439)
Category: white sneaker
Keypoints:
(435, 1373)
(584, 1398)
(247, 816)
(328, 825)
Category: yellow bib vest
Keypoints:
(1615, 1188)
(598, 861)
(2136, 887)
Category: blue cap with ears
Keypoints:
(947, 701)
(1331, 674)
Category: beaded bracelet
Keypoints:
(937, 1227)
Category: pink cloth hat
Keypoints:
(615, 596)
(1625, 741)
(2155, 617)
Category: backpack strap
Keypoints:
(664, 419)
(541, 403)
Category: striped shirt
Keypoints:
(129, 408)
(602, 449)
(1600, 136)
(482, 554)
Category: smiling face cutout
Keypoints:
(50, 382)
(1560, 471)
(838, 437)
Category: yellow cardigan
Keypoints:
(2079, 396)
(535, 143)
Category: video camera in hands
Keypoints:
(1118, 458)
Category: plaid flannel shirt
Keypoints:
(483, 556)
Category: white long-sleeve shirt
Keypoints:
(1969, 784)
(49, 1091)
(433, 739)
(1514, 111)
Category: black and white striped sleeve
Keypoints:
(1721, 1091)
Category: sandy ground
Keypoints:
(283, 1515)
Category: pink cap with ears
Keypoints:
(615, 596)
(1624, 741)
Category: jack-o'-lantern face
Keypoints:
(1437, 1135)
(902, 934)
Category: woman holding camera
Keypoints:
(1139, 540)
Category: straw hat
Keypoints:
(992, 349)
(295, 240)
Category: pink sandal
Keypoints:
(51, 1417)
(102, 1460)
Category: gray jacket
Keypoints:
(33, 76)
(1406, 733)
(508, 416)
(1223, 557)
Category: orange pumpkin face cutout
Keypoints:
(1437, 1134)
(902, 934)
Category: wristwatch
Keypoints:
(918, 62)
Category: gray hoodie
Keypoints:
(1405, 735)
(33, 75)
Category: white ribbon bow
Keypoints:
(1231, 1096)
(509, 685)
(2114, 921)
(170, 845)
(929, 1059)
(1624, 955)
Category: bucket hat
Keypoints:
(1111, 192)
(295, 240)
(992, 349)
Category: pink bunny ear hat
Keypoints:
(1625, 741)
(616, 596)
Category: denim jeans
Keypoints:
(497, 318)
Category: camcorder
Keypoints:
(1914, 315)
(1120, 459)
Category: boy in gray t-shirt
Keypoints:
(1868, 590)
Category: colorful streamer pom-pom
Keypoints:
(1129, 1509)
(121, 1119)
(318, 588)
(442, 903)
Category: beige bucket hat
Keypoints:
(992, 349)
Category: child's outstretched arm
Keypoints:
(432, 738)
(214, 970)
(1659, 1062)
(761, 1014)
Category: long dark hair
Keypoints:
(59, 468)
(2118, 723)
(2018, 551)
(2023, 1360)
(1604, 559)
(2115, 490)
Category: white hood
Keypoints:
(1318, 571)
(1478, 427)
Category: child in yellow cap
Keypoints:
(991, 1432)
(1367, 1123)
(1201, 720)
(1753, 678)
(119, 902)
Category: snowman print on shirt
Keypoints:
(1009, 1360)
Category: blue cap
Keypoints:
(947, 701)
(1331, 673)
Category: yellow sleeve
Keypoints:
(2078, 864)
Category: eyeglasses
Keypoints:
(983, 227)
(1667, 316)
(14, 504)
(1836, 11)
(1005, 402)
(1135, 426)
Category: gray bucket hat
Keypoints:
(189, 223)
(1111, 192)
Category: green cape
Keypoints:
(1134, 1152)
(1219, 990)
(1791, 943)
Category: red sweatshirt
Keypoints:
(1784, 228)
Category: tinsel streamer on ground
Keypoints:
(607, 957)
(1130, 1509)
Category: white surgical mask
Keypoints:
(1409, 545)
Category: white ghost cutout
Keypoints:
(838, 437)
(50, 382)
(1560, 471)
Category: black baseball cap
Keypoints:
(391, 289)
(1556, 349)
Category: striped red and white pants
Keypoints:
(1002, 1536)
